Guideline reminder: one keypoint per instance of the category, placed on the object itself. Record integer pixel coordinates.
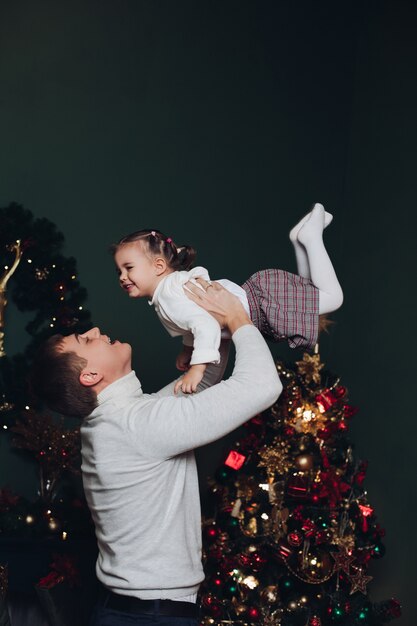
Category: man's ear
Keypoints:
(160, 265)
(89, 379)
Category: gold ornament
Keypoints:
(251, 528)
(304, 462)
(314, 566)
(310, 367)
(275, 458)
(307, 419)
(269, 594)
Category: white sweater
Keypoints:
(140, 476)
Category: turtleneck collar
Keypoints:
(121, 390)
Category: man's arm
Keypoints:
(170, 426)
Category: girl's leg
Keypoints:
(303, 267)
(322, 274)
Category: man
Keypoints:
(138, 465)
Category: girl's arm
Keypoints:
(213, 374)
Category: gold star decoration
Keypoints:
(342, 560)
(310, 367)
(359, 582)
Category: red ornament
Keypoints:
(361, 473)
(366, 512)
(283, 552)
(212, 605)
(51, 580)
(257, 561)
(244, 560)
(339, 391)
(325, 399)
(314, 621)
(393, 608)
(309, 528)
(289, 431)
(349, 411)
(254, 613)
(295, 538)
(326, 432)
(211, 532)
(297, 487)
(235, 460)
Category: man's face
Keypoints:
(107, 360)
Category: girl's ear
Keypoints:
(160, 265)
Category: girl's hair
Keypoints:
(156, 243)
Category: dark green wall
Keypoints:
(220, 123)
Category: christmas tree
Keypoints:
(292, 533)
(38, 279)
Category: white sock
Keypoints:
(301, 257)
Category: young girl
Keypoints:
(282, 305)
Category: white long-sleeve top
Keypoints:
(140, 476)
(181, 316)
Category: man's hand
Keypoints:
(224, 306)
(189, 382)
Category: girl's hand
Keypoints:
(189, 382)
(183, 359)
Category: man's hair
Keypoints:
(55, 380)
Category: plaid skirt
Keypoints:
(284, 306)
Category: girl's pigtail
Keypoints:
(185, 258)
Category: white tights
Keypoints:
(313, 260)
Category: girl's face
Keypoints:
(138, 272)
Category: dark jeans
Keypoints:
(105, 616)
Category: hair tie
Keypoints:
(169, 240)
